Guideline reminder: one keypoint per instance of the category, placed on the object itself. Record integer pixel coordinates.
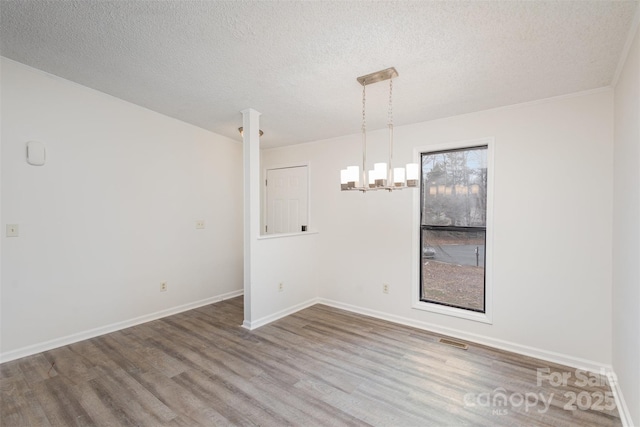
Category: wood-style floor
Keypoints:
(320, 366)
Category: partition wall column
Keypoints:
(251, 163)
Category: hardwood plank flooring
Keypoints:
(318, 367)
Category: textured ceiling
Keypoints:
(297, 61)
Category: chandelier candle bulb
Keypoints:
(354, 176)
(344, 179)
(398, 177)
(372, 178)
(413, 174)
(381, 174)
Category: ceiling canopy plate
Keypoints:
(378, 76)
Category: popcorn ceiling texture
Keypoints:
(297, 62)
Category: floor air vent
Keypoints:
(455, 344)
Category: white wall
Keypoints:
(292, 260)
(552, 229)
(271, 261)
(111, 214)
(626, 232)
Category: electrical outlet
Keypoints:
(385, 288)
(280, 287)
(200, 224)
(163, 287)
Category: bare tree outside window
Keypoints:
(453, 227)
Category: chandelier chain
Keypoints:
(364, 119)
(390, 102)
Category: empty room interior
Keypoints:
(386, 213)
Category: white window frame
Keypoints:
(416, 303)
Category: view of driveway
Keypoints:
(460, 254)
(454, 275)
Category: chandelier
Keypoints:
(383, 176)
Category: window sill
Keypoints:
(452, 311)
(277, 236)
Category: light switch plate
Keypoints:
(13, 230)
(36, 153)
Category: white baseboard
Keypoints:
(279, 315)
(623, 409)
(92, 333)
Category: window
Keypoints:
(453, 228)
